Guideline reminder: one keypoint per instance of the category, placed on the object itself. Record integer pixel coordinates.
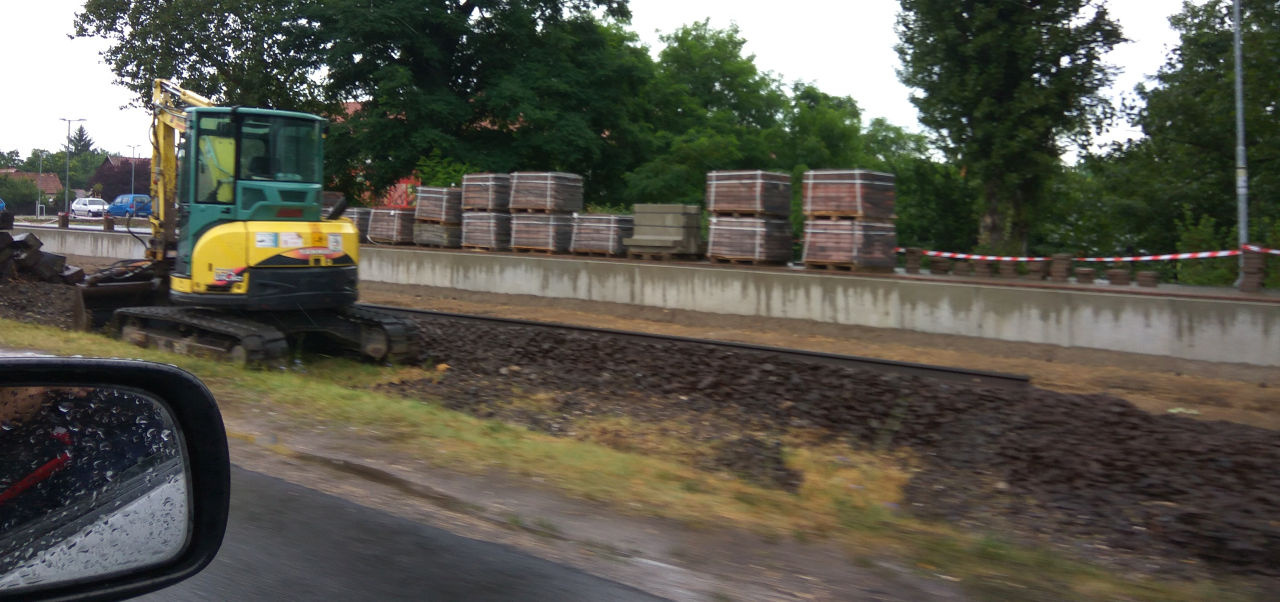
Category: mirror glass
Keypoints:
(93, 482)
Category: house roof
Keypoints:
(118, 161)
(48, 183)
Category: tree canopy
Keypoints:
(1002, 84)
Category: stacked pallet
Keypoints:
(749, 194)
(849, 220)
(486, 230)
(438, 217)
(664, 231)
(749, 240)
(546, 192)
(391, 226)
(749, 212)
(542, 206)
(541, 232)
(600, 234)
(486, 217)
(360, 217)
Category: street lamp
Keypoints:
(133, 165)
(39, 176)
(66, 189)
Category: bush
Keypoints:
(1203, 235)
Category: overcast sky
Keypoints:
(845, 47)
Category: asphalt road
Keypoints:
(287, 542)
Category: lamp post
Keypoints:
(1242, 170)
(133, 166)
(66, 189)
(39, 174)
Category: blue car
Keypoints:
(136, 205)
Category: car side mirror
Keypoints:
(114, 477)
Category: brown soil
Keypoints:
(1089, 473)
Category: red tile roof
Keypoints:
(48, 183)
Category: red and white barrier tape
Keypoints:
(1257, 249)
(1164, 257)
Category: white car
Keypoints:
(88, 207)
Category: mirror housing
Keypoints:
(203, 442)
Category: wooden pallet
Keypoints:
(597, 254)
(836, 266)
(482, 248)
(744, 261)
(535, 250)
(429, 220)
(738, 213)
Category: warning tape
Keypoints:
(1257, 249)
(1164, 257)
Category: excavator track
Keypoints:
(400, 332)
(203, 332)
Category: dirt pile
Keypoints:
(1094, 469)
(38, 302)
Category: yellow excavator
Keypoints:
(242, 263)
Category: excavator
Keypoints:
(242, 263)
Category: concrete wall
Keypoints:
(1200, 329)
(114, 245)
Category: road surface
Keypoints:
(287, 542)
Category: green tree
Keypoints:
(1003, 84)
(711, 109)
(80, 141)
(256, 53)
(9, 158)
(19, 195)
(1183, 170)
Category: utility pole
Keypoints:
(39, 173)
(133, 166)
(1242, 170)
(66, 189)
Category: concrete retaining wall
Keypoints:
(1199, 329)
(114, 245)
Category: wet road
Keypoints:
(286, 542)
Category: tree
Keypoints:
(1184, 169)
(1002, 84)
(9, 159)
(19, 195)
(80, 142)
(233, 51)
(711, 109)
(114, 178)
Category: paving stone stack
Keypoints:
(391, 226)
(542, 207)
(360, 217)
(749, 240)
(546, 192)
(749, 212)
(486, 211)
(849, 220)
(1085, 275)
(1118, 276)
(600, 234)
(486, 230)
(663, 231)
(850, 243)
(1060, 267)
(541, 232)
(21, 257)
(438, 217)
(1148, 278)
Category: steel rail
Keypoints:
(980, 378)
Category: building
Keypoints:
(48, 183)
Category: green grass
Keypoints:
(846, 498)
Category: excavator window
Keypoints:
(215, 159)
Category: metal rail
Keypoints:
(945, 373)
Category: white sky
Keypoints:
(845, 47)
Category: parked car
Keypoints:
(88, 207)
(130, 205)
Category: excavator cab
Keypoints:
(250, 234)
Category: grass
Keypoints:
(849, 497)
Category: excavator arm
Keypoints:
(168, 101)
